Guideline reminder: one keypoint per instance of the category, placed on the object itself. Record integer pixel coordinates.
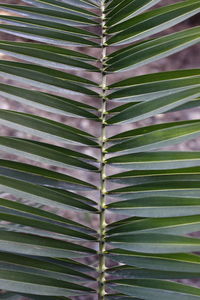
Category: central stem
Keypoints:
(102, 245)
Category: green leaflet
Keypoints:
(79, 3)
(46, 36)
(156, 160)
(146, 176)
(37, 78)
(156, 137)
(46, 56)
(34, 69)
(149, 129)
(82, 3)
(152, 86)
(45, 128)
(160, 105)
(24, 282)
(158, 78)
(57, 51)
(139, 273)
(47, 102)
(41, 266)
(152, 22)
(42, 23)
(169, 188)
(148, 289)
(57, 230)
(127, 9)
(49, 14)
(15, 208)
(46, 153)
(188, 105)
(140, 54)
(40, 246)
(155, 243)
(57, 5)
(156, 206)
(163, 262)
(12, 296)
(69, 263)
(111, 4)
(44, 195)
(175, 225)
(42, 176)
(44, 228)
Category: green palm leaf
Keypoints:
(62, 16)
(72, 224)
(146, 52)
